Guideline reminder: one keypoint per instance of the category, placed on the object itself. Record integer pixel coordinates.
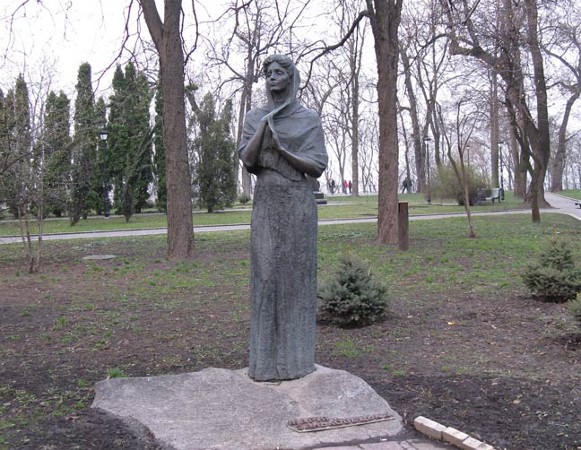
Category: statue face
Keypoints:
(277, 78)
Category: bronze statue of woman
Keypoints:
(283, 145)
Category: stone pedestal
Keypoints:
(224, 409)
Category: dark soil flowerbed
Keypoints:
(473, 352)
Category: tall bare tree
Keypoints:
(167, 39)
(473, 34)
(385, 16)
(539, 133)
(369, 135)
(336, 119)
(564, 49)
(319, 94)
(259, 27)
(347, 12)
(464, 126)
(425, 58)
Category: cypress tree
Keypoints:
(142, 165)
(159, 153)
(117, 141)
(215, 148)
(101, 113)
(17, 138)
(6, 156)
(101, 179)
(19, 182)
(6, 151)
(56, 142)
(130, 140)
(84, 150)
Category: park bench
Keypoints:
(496, 194)
(320, 198)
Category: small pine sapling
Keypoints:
(352, 297)
(554, 278)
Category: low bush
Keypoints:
(352, 297)
(447, 185)
(554, 278)
(244, 198)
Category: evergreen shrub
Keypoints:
(554, 278)
(352, 297)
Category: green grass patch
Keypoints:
(442, 257)
(573, 193)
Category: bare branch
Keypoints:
(152, 15)
(339, 44)
(197, 37)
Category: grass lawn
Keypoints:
(573, 193)
(462, 343)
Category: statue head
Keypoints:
(291, 84)
(282, 60)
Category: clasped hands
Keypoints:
(271, 136)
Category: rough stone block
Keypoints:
(454, 436)
(224, 409)
(474, 444)
(429, 427)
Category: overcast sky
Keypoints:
(58, 36)
(56, 39)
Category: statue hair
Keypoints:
(283, 60)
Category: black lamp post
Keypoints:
(501, 145)
(427, 140)
(103, 139)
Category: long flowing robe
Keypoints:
(284, 245)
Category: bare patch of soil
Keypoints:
(494, 364)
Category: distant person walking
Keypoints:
(406, 185)
(333, 186)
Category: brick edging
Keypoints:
(450, 435)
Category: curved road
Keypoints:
(559, 204)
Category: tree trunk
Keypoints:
(494, 128)
(385, 16)
(244, 174)
(533, 138)
(355, 131)
(355, 70)
(558, 165)
(520, 170)
(541, 142)
(167, 39)
(245, 106)
(419, 149)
